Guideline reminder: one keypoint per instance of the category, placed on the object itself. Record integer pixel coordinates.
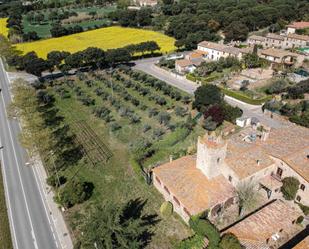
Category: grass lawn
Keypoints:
(105, 38)
(3, 28)
(43, 30)
(116, 181)
(5, 235)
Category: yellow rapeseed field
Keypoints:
(104, 38)
(3, 28)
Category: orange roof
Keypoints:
(298, 37)
(191, 187)
(304, 244)
(184, 63)
(261, 225)
(289, 143)
(299, 25)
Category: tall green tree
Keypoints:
(115, 226)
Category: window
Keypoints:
(157, 179)
(176, 200)
(230, 179)
(186, 211)
(298, 198)
(166, 189)
(279, 172)
(302, 187)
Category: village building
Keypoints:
(272, 40)
(291, 28)
(278, 56)
(269, 227)
(215, 51)
(190, 62)
(145, 3)
(256, 155)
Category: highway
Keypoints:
(148, 66)
(30, 222)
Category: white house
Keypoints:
(215, 51)
(291, 28)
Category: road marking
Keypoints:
(40, 190)
(19, 175)
(8, 202)
(44, 205)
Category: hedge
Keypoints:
(204, 227)
(244, 98)
(194, 242)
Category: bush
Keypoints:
(75, 192)
(115, 126)
(194, 242)
(304, 208)
(166, 209)
(230, 241)
(300, 219)
(289, 188)
(204, 227)
(53, 181)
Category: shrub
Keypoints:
(194, 242)
(75, 192)
(289, 188)
(166, 209)
(115, 126)
(230, 241)
(304, 208)
(300, 219)
(204, 227)
(146, 128)
(53, 181)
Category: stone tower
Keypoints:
(211, 152)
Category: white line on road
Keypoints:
(19, 175)
(8, 201)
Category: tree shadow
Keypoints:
(134, 210)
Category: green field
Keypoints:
(5, 235)
(118, 181)
(43, 29)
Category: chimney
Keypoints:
(258, 162)
(265, 134)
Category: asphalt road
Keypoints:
(30, 224)
(147, 66)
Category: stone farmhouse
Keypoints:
(269, 227)
(262, 157)
(279, 56)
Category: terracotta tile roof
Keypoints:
(279, 53)
(275, 36)
(257, 38)
(191, 187)
(304, 244)
(266, 222)
(299, 25)
(289, 143)
(184, 63)
(270, 182)
(212, 45)
(298, 37)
